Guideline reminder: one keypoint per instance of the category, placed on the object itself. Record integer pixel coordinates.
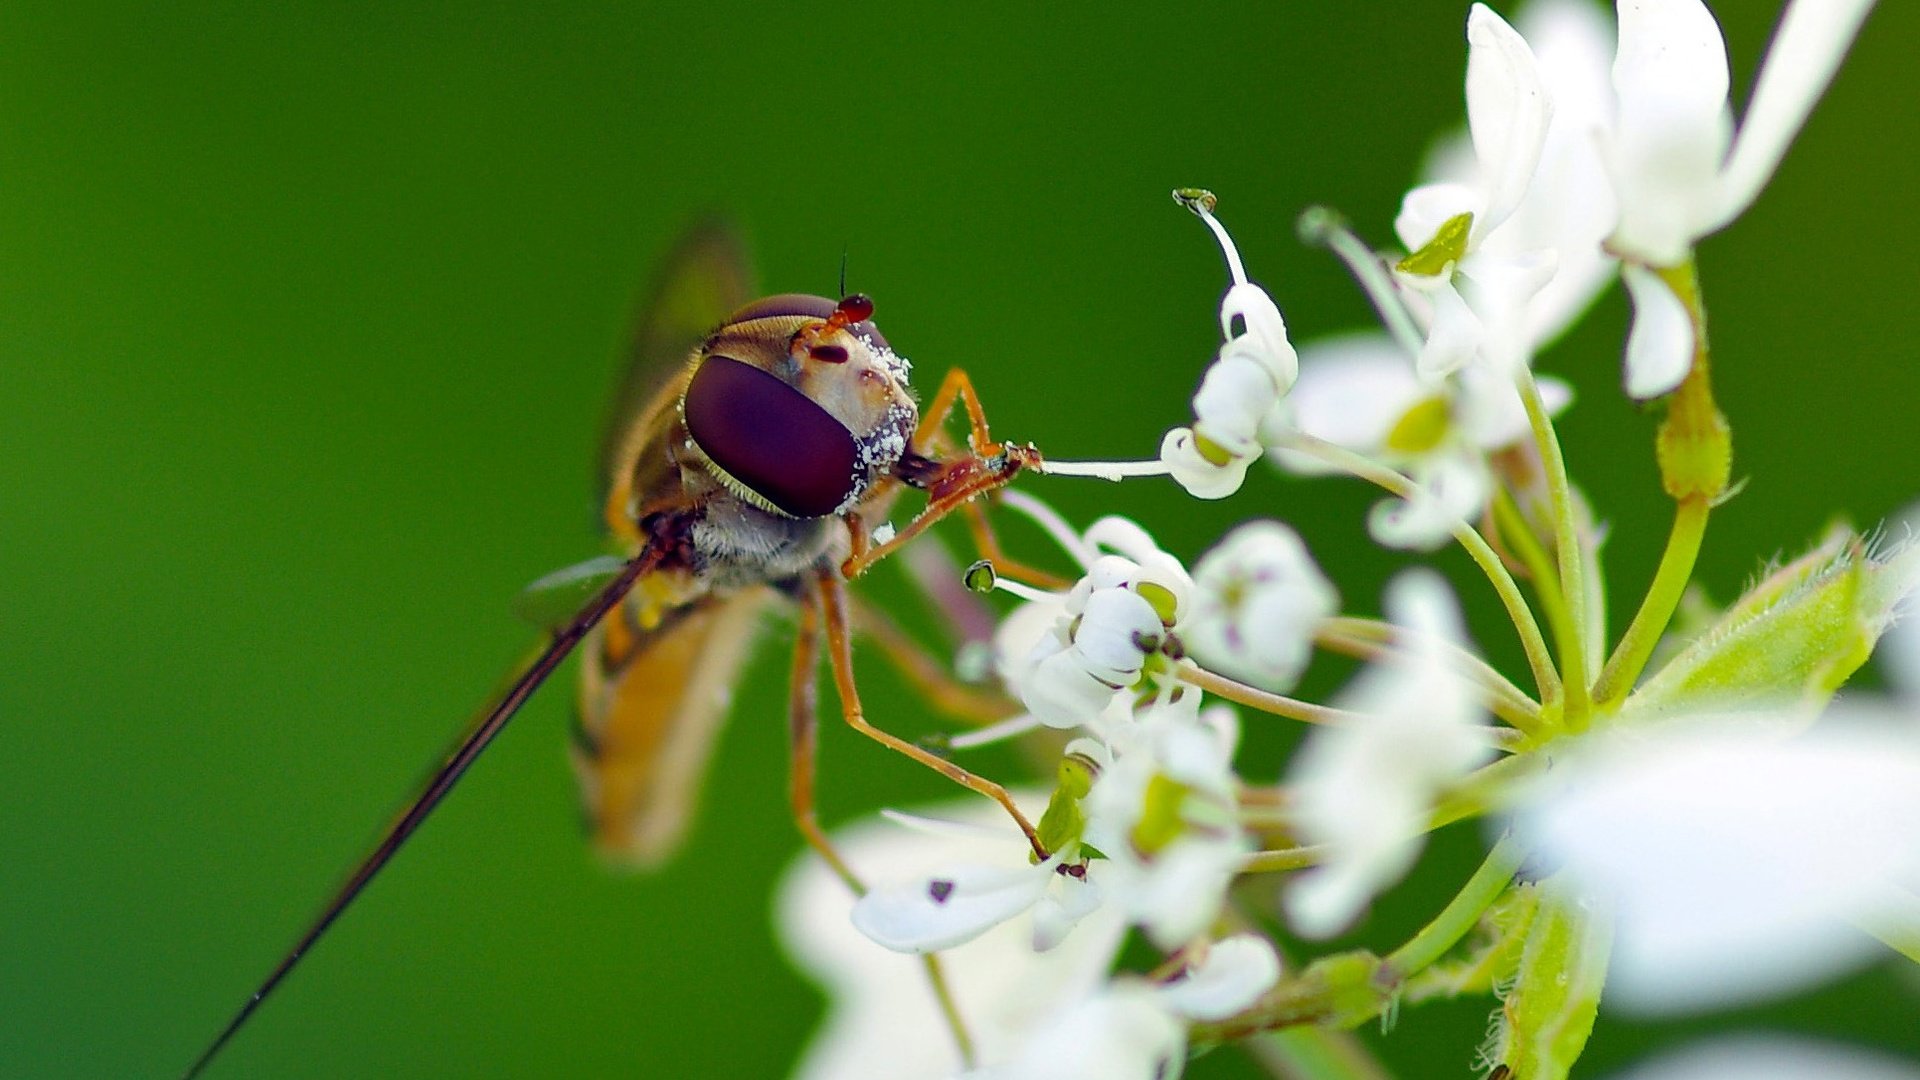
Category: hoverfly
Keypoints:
(749, 473)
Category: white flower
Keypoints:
(1734, 858)
(1164, 815)
(1129, 1029)
(1668, 151)
(1360, 392)
(1085, 647)
(1568, 206)
(883, 1021)
(1258, 599)
(1364, 788)
(1678, 170)
(1255, 367)
(1446, 224)
(1771, 1057)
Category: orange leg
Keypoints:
(956, 386)
(988, 543)
(804, 726)
(833, 601)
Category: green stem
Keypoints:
(1656, 611)
(1897, 922)
(1255, 698)
(1460, 915)
(1566, 543)
(1293, 858)
(950, 1009)
(1544, 675)
(1515, 528)
(1371, 639)
(1308, 1052)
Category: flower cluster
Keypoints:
(1687, 820)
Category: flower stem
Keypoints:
(1293, 858)
(1372, 639)
(1457, 919)
(1566, 542)
(1514, 528)
(1307, 1052)
(1396, 483)
(1254, 698)
(950, 1009)
(1656, 611)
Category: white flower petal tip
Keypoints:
(1234, 974)
(1260, 597)
(1507, 113)
(948, 908)
(1660, 345)
(1772, 1057)
(1734, 860)
(1265, 333)
(1234, 397)
(1203, 479)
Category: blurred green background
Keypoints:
(308, 313)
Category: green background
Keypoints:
(307, 317)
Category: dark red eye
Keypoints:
(771, 437)
(800, 305)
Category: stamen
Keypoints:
(1201, 202)
(1024, 592)
(1010, 728)
(1325, 227)
(1050, 522)
(1105, 470)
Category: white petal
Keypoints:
(1671, 129)
(1234, 396)
(1352, 390)
(1179, 894)
(927, 914)
(1733, 859)
(1500, 289)
(1068, 900)
(882, 1021)
(1202, 478)
(1507, 112)
(1259, 598)
(1807, 49)
(1265, 338)
(1236, 971)
(1454, 338)
(1062, 693)
(1111, 633)
(1660, 345)
(1772, 1057)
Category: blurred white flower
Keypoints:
(1735, 855)
(1678, 170)
(1164, 815)
(1365, 788)
(1255, 368)
(1258, 597)
(1445, 224)
(1131, 1029)
(882, 1020)
(1568, 206)
(1771, 1057)
(1360, 392)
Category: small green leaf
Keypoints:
(1797, 635)
(1546, 1018)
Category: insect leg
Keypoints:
(955, 387)
(928, 675)
(988, 544)
(804, 725)
(803, 728)
(833, 602)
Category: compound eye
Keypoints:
(771, 438)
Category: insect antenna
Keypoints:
(465, 752)
(843, 272)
